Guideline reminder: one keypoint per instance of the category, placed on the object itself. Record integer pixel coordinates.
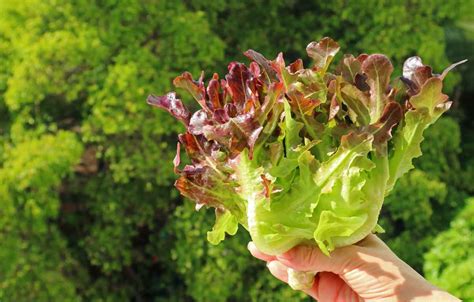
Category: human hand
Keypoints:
(366, 271)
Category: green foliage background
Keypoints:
(87, 207)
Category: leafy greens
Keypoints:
(302, 155)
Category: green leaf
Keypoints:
(358, 104)
(292, 130)
(407, 142)
(428, 105)
(352, 146)
(432, 99)
(333, 225)
(312, 85)
(225, 223)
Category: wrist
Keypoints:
(437, 295)
(440, 295)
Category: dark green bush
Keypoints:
(450, 262)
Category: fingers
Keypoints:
(307, 258)
(310, 258)
(257, 254)
(277, 269)
(280, 271)
(333, 288)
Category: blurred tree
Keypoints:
(33, 253)
(86, 67)
(74, 76)
(450, 262)
(396, 28)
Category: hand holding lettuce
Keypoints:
(302, 155)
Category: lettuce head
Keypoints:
(301, 155)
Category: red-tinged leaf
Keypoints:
(332, 86)
(253, 137)
(171, 104)
(200, 82)
(360, 82)
(250, 106)
(415, 74)
(322, 52)
(177, 158)
(275, 152)
(333, 108)
(231, 110)
(213, 92)
(421, 75)
(312, 85)
(254, 69)
(349, 68)
(353, 140)
(195, 184)
(378, 69)
(362, 57)
(202, 151)
(220, 116)
(253, 102)
(263, 62)
(236, 146)
(195, 88)
(283, 73)
(237, 83)
(296, 66)
(298, 102)
(419, 78)
(382, 129)
(358, 104)
(341, 129)
(275, 91)
(222, 133)
(199, 119)
(236, 132)
(246, 128)
(266, 186)
(191, 145)
(190, 190)
(225, 92)
(431, 98)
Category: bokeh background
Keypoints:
(88, 211)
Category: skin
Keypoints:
(366, 271)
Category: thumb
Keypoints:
(310, 258)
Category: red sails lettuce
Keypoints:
(302, 155)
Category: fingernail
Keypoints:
(275, 265)
(272, 265)
(251, 246)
